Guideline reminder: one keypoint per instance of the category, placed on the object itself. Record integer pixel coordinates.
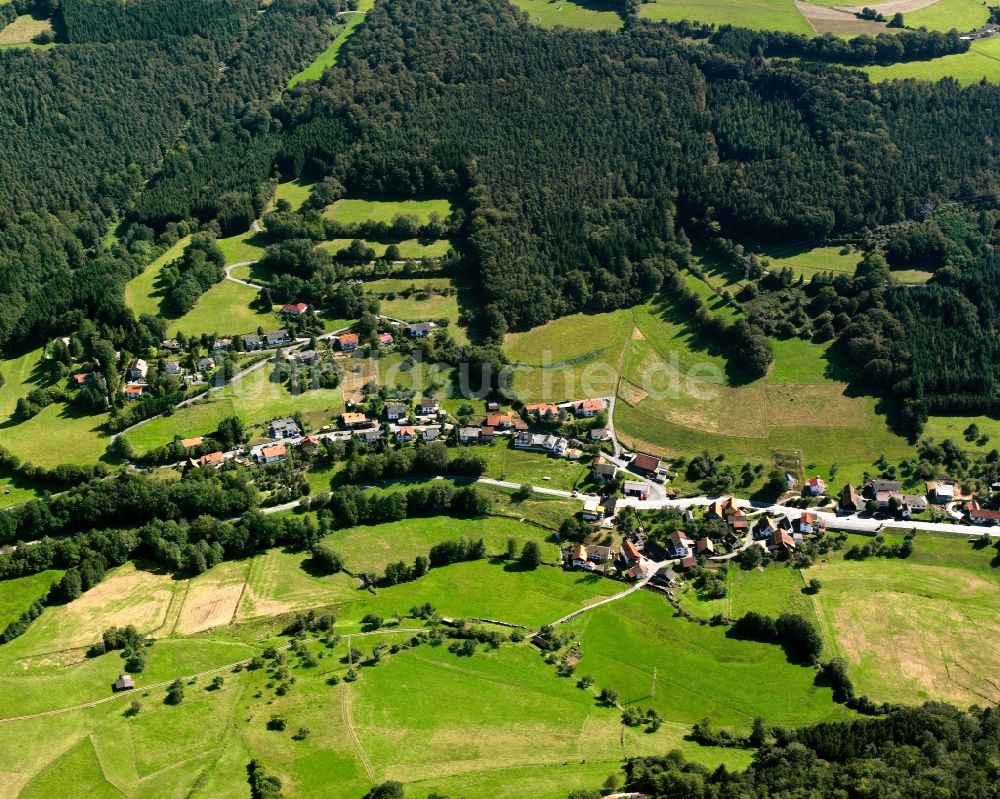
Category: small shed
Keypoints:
(124, 683)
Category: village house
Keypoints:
(404, 435)
(593, 511)
(277, 337)
(809, 523)
(272, 454)
(348, 342)
(687, 562)
(876, 486)
(195, 441)
(814, 486)
(82, 379)
(542, 410)
(679, 545)
(350, 420)
(221, 344)
(781, 540)
(138, 370)
(884, 499)
(212, 459)
(628, 555)
(641, 570)
(942, 492)
(578, 557)
(500, 421)
(205, 364)
(395, 411)
(588, 408)
(306, 356)
(555, 444)
(284, 428)
(172, 344)
(634, 488)
(310, 443)
(738, 522)
(385, 339)
(294, 309)
(980, 516)
(704, 546)
(598, 554)
(720, 508)
(430, 433)
(914, 503)
(420, 329)
(428, 406)
(645, 464)
(172, 367)
(469, 435)
(603, 469)
(251, 341)
(488, 434)
(765, 527)
(371, 436)
(600, 434)
(850, 502)
(133, 391)
(665, 577)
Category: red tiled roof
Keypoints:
(271, 452)
(295, 307)
(212, 457)
(646, 462)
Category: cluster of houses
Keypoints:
(888, 496)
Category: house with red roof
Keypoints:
(588, 408)
(347, 342)
(294, 308)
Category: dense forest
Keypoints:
(84, 125)
(912, 753)
(586, 164)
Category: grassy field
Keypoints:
(699, 671)
(368, 548)
(353, 211)
(247, 246)
(278, 583)
(760, 14)
(491, 591)
(772, 590)
(516, 466)
(588, 15)
(14, 492)
(23, 29)
(227, 307)
(69, 435)
(17, 595)
(296, 192)
(408, 248)
(253, 398)
(982, 61)
(141, 293)
(399, 284)
(963, 15)
(919, 628)
(328, 57)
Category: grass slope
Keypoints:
(759, 14)
(588, 14)
(353, 211)
(982, 61)
(919, 628)
(141, 293)
(963, 15)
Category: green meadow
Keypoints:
(354, 211)
(699, 672)
(588, 15)
(979, 63)
(916, 629)
(760, 14)
(227, 307)
(943, 15)
(371, 547)
(408, 248)
(141, 293)
(328, 57)
(18, 594)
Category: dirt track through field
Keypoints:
(345, 707)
